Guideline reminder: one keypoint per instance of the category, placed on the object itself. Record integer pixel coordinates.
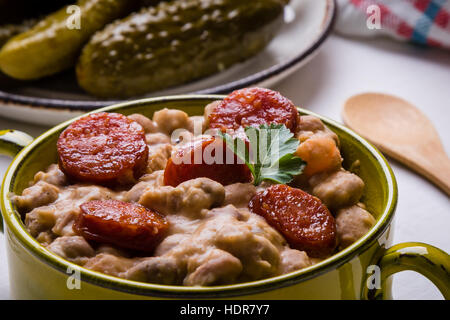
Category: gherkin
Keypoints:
(51, 46)
(173, 43)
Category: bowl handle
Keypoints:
(11, 142)
(425, 259)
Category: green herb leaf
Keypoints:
(270, 154)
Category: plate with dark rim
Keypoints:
(307, 23)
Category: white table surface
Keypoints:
(345, 67)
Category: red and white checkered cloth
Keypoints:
(426, 22)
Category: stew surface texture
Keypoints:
(120, 201)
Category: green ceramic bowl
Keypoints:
(360, 271)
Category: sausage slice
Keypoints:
(103, 148)
(253, 107)
(303, 220)
(199, 159)
(124, 224)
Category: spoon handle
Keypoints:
(436, 169)
(440, 174)
(431, 162)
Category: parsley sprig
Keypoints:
(269, 153)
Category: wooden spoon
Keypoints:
(403, 132)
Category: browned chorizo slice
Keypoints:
(253, 107)
(127, 225)
(303, 220)
(103, 148)
(185, 167)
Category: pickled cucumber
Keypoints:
(51, 46)
(173, 43)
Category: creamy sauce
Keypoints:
(213, 238)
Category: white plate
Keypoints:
(307, 24)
